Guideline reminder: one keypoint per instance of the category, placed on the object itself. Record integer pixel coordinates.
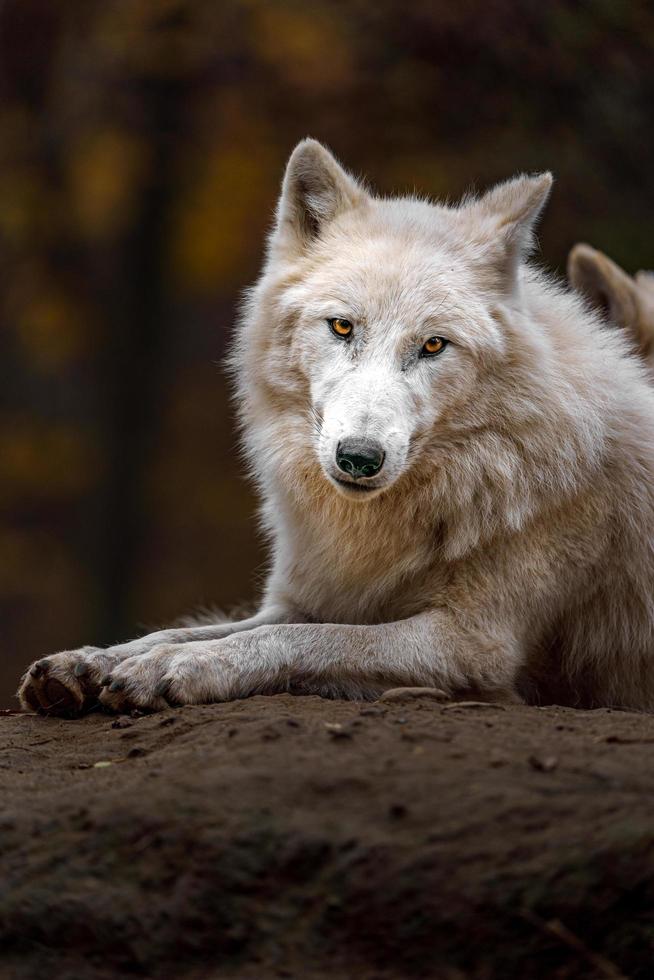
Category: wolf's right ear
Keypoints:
(605, 284)
(507, 215)
(315, 189)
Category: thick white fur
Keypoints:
(505, 548)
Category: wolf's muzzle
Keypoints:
(359, 458)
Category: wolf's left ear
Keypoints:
(509, 213)
(314, 191)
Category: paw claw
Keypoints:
(66, 684)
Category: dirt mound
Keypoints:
(302, 838)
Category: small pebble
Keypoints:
(403, 695)
(474, 704)
(336, 730)
(545, 763)
(122, 722)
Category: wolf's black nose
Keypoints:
(359, 457)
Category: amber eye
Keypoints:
(433, 346)
(342, 328)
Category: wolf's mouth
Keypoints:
(356, 487)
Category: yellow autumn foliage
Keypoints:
(220, 218)
(308, 45)
(106, 168)
(45, 461)
(51, 331)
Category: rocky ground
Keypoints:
(300, 838)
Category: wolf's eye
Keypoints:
(433, 346)
(342, 328)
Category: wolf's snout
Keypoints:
(359, 458)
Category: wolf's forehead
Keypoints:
(395, 286)
(376, 276)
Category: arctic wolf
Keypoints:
(456, 464)
(627, 302)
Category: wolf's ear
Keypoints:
(315, 189)
(605, 284)
(509, 213)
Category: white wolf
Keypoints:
(456, 460)
(627, 302)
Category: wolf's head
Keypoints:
(378, 318)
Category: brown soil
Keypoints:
(301, 838)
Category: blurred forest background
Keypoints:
(141, 147)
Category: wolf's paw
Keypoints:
(169, 675)
(65, 684)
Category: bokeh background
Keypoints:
(141, 147)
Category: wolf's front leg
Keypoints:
(327, 659)
(69, 683)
